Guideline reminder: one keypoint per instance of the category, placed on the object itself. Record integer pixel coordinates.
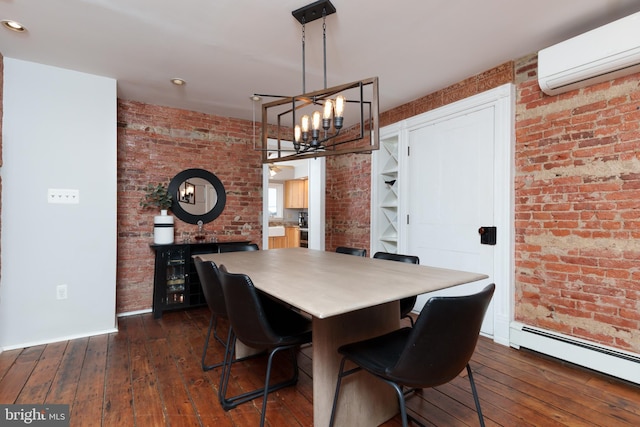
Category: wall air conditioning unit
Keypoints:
(602, 54)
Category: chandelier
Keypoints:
(337, 120)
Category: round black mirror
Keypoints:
(198, 195)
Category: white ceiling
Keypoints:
(227, 50)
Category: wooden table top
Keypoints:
(325, 284)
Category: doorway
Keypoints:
(458, 180)
(316, 194)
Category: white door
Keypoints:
(450, 182)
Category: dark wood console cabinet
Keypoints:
(176, 285)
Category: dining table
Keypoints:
(349, 298)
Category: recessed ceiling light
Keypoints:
(13, 26)
(178, 81)
(255, 98)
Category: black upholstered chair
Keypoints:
(351, 251)
(212, 290)
(406, 304)
(238, 247)
(258, 322)
(431, 353)
(208, 273)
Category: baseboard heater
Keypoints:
(621, 364)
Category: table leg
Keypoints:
(364, 400)
(245, 351)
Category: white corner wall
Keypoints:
(59, 131)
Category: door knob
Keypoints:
(487, 235)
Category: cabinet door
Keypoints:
(295, 194)
(277, 242)
(170, 281)
(292, 235)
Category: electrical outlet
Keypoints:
(65, 196)
(61, 292)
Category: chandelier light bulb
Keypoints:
(316, 120)
(305, 123)
(340, 101)
(328, 109)
(297, 133)
(338, 120)
(326, 114)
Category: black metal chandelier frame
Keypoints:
(324, 138)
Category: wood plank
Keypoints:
(17, 376)
(174, 396)
(87, 407)
(7, 359)
(147, 401)
(493, 409)
(118, 395)
(37, 387)
(91, 381)
(64, 386)
(537, 381)
(200, 386)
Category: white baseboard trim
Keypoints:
(58, 339)
(608, 360)
(133, 313)
(501, 330)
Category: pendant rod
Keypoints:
(324, 44)
(304, 90)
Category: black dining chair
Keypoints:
(430, 354)
(238, 247)
(258, 322)
(208, 274)
(406, 304)
(351, 251)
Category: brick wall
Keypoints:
(348, 201)
(578, 209)
(154, 144)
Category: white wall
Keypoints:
(59, 131)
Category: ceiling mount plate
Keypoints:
(313, 11)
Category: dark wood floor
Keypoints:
(148, 374)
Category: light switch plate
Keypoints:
(65, 196)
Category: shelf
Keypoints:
(386, 212)
(390, 201)
(391, 167)
(390, 247)
(391, 146)
(392, 219)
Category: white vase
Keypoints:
(163, 228)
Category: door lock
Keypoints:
(487, 235)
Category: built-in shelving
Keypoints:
(384, 232)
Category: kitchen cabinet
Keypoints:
(277, 242)
(292, 235)
(296, 194)
(291, 239)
